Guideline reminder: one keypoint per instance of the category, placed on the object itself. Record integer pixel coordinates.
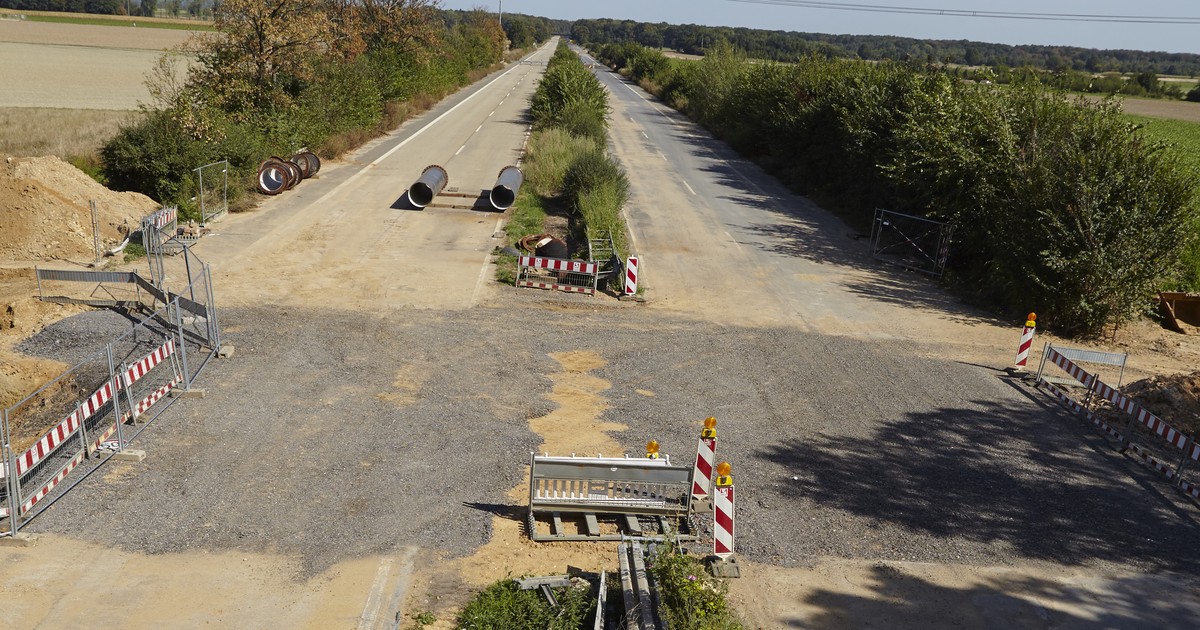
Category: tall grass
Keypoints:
(38, 131)
(550, 154)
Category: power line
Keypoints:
(1005, 15)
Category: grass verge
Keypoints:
(691, 599)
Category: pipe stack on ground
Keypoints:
(276, 174)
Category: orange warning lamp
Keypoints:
(652, 449)
(710, 423)
(1031, 320)
(724, 480)
(710, 428)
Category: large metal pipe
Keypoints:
(508, 183)
(433, 180)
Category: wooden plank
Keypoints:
(632, 524)
(641, 583)
(557, 524)
(593, 527)
(631, 602)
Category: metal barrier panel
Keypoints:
(1164, 443)
(212, 184)
(593, 484)
(910, 241)
(574, 276)
(1075, 356)
(96, 288)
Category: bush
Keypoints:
(1193, 94)
(505, 605)
(690, 598)
(590, 171)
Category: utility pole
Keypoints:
(500, 14)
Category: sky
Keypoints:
(1154, 37)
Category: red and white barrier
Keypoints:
(631, 275)
(1084, 377)
(59, 434)
(147, 363)
(50, 485)
(706, 453)
(723, 520)
(562, 266)
(1026, 341)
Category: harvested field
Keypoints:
(33, 131)
(1158, 108)
(79, 66)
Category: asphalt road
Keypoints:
(375, 404)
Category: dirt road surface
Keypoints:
(362, 455)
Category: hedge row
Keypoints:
(569, 110)
(1061, 206)
(275, 82)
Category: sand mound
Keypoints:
(44, 211)
(1175, 399)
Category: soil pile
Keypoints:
(44, 212)
(1175, 399)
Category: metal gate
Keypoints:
(910, 241)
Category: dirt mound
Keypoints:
(1175, 399)
(44, 211)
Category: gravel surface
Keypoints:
(333, 434)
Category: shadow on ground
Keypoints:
(901, 600)
(994, 475)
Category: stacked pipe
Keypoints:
(276, 174)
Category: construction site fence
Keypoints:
(102, 402)
(572, 276)
(1165, 449)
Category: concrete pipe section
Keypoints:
(508, 184)
(274, 177)
(433, 180)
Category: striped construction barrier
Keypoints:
(723, 513)
(1139, 413)
(59, 434)
(50, 485)
(572, 276)
(1079, 374)
(142, 367)
(56, 436)
(631, 276)
(1026, 341)
(1144, 417)
(706, 453)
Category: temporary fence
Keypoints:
(99, 403)
(1172, 445)
(1077, 356)
(910, 241)
(573, 276)
(212, 192)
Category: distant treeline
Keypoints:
(792, 46)
(176, 8)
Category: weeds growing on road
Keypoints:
(505, 605)
(691, 599)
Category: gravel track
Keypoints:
(333, 434)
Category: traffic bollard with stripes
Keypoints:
(706, 453)
(723, 563)
(631, 271)
(1026, 343)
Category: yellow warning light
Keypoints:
(652, 449)
(723, 480)
(723, 469)
(710, 428)
(710, 423)
(1031, 317)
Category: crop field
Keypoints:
(1183, 134)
